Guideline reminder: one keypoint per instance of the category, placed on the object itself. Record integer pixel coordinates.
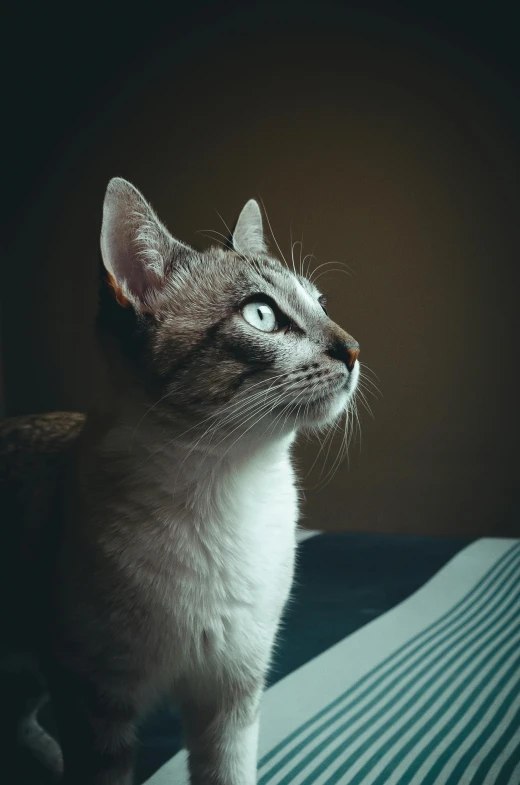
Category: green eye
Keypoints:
(261, 316)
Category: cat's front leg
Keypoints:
(96, 727)
(221, 735)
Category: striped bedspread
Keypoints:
(426, 693)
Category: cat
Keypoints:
(148, 547)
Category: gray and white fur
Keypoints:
(150, 545)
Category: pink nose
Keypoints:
(352, 353)
(345, 351)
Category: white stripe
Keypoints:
(499, 722)
(404, 669)
(511, 747)
(515, 776)
(463, 722)
(292, 701)
(447, 678)
(481, 605)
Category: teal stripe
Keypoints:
(401, 752)
(375, 701)
(411, 647)
(479, 776)
(478, 633)
(358, 778)
(507, 773)
(437, 742)
(507, 561)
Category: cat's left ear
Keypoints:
(137, 249)
(248, 235)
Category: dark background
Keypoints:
(386, 133)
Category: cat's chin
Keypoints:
(328, 407)
(319, 412)
(323, 411)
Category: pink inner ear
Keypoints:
(134, 244)
(248, 235)
(120, 297)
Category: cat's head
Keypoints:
(228, 335)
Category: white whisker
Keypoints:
(272, 234)
(327, 264)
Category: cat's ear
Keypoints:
(136, 248)
(248, 234)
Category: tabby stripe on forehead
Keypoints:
(272, 265)
(267, 278)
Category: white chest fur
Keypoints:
(221, 566)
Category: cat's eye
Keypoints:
(323, 302)
(261, 316)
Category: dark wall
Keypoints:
(386, 137)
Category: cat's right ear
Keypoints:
(248, 234)
(136, 248)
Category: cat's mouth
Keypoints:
(320, 407)
(318, 404)
(344, 386)
(327, 404)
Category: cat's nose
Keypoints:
(345, 351)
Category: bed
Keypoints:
(399, 664)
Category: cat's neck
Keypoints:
(141, 445)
